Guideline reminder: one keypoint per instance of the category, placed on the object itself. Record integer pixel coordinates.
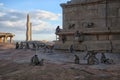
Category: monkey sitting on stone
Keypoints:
(35, 60)
(92, 58)
(106, 60)
(41, 62)
(76, 60)
(103, 58)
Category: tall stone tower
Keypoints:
(28, 30)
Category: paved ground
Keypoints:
(14, 65)
(58, 57)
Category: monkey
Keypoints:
(76, 60)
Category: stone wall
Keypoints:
(98, 22)
(82, 15)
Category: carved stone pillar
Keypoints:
(0, 39)
(30, 31)
(11, 41)
(5, 39)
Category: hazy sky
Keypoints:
(45, 16)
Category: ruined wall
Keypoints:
(83, 14)
(98, 20)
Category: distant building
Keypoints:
(90, 25)
(4, 37)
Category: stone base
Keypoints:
(100, 46)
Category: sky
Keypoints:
(45, 16)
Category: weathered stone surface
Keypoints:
(115, 29)
(114, 37)
(100, 30)
(116, 44)
(28, 31)
(81, 46)
(60, 45)
(98, 22)
(82, 1)
(90, 37)
(98, 45)
(119, 12)
(103, 37)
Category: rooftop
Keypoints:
(2, 34)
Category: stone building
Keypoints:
(97, 23)
(4, 37)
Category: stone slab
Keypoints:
(98, 45)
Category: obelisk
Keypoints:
(28, 31)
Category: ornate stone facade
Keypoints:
(97, 21)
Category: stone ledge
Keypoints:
(103, 45)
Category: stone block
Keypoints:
(119, 12)
(115, 29)
(64, 46)
(114, 37)
(101, 13)
(112, 12)
(103, 37)
(101, 30)
(90, 37)
(114, 4)
(98, 22)
(101, 6)
(79, 46)
(70, 38)
(98, 45)
(93, 13)
(116, 51)
(116, 44)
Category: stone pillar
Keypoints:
(11, 41)
(0, 39)
(5, 39)
(28, 31)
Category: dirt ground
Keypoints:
(15, 65)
